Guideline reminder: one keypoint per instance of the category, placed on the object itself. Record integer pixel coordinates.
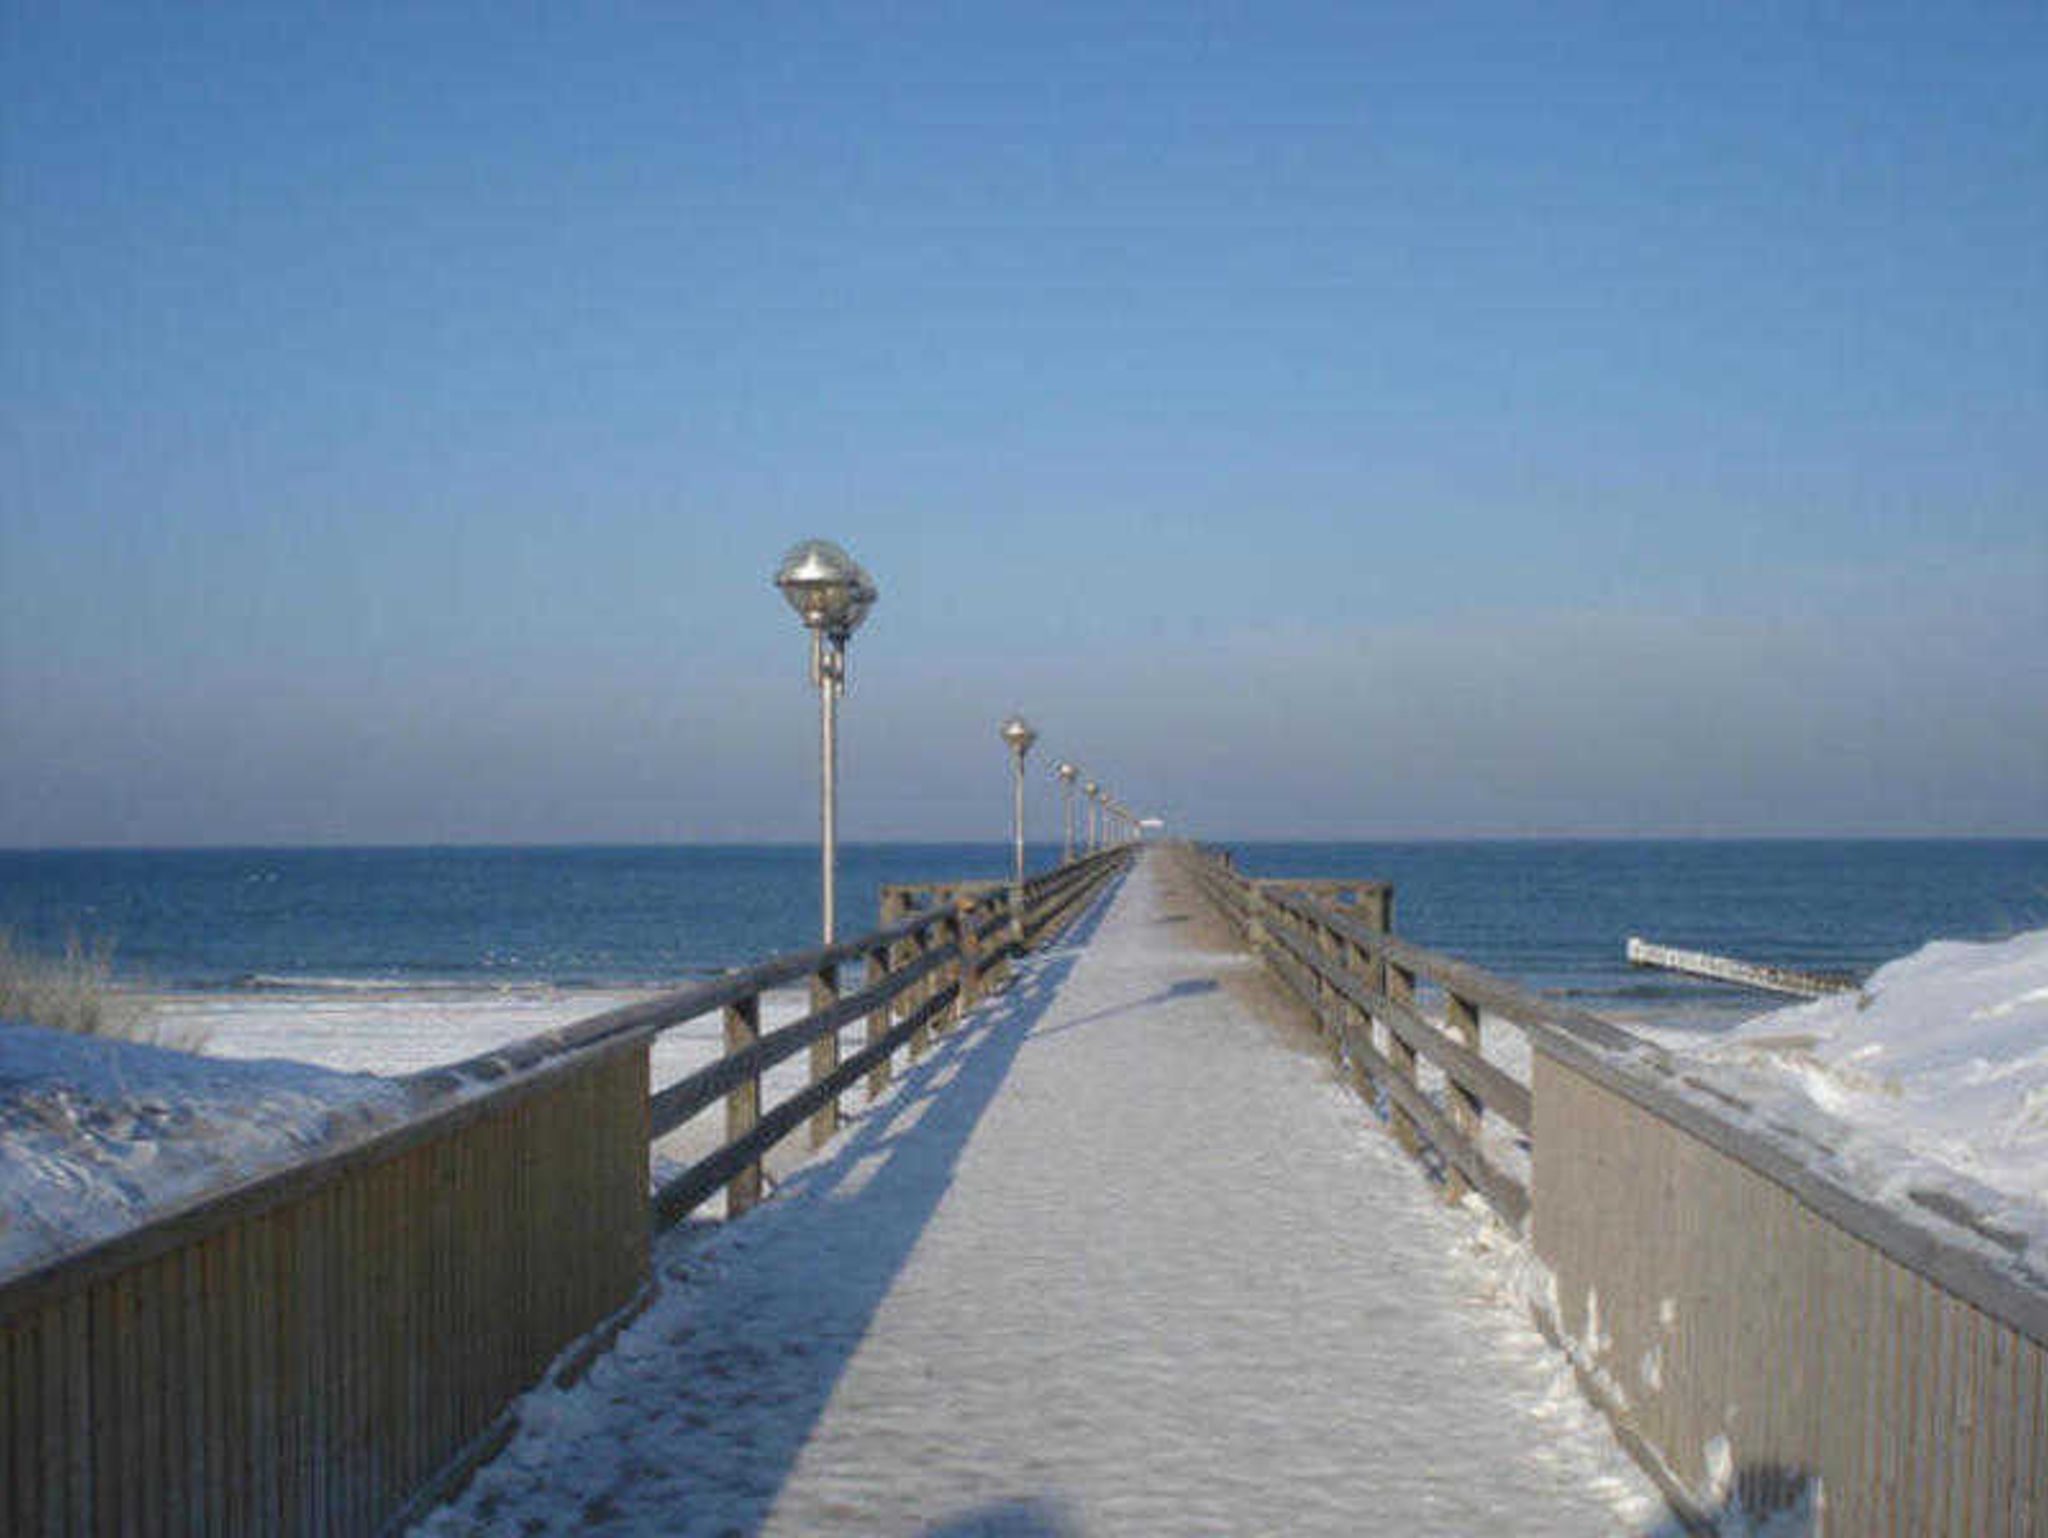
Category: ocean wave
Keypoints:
(295, 983)
(264, 982)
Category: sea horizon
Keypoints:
(1550, 914)
(1207, 841)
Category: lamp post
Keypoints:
(1068, 774)
(1019, 734)
(831, 595)
(1093, 792)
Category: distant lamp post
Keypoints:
(831, 595)
(1068, 774)
(1019, 734)
(1093, 792)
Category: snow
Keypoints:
(391, 1030)
(98, 1135)
(1109, 1260)
(1932, 1077)
(95, 1134)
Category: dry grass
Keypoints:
(73, 993)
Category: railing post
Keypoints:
(896, 908)
(743, 1102)
(825, 1053)
(964, 921)
(1380, 915)
(929, 936)
(1005, 960)
(1467, 1110)
(1401, 989)
(1359, 964)
(1256, 936)
(877, 959)
(1328, 1000)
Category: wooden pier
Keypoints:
(337, 1347)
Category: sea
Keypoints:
(1551, 915)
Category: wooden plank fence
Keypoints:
(1759, 1333)
(302, 1353)
(324, 1349)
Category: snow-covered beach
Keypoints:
(98, 1134)
(1933, 1076)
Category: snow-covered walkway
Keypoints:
(1114, 1259)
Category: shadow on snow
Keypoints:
(719, 1387)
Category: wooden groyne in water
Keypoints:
(1759, 1332)
(324, 1349)
(1743, 974)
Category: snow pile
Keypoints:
(97, 1134)
(1940, 1060)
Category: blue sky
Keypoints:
(1323, 421)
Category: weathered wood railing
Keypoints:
(1365, 984)
(1759, 1328)
(302, 1353)
(315, 1350)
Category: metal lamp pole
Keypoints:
(1068, 774)
(1019, 734)
(831, 595)
(1093, 792)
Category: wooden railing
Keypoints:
(1330, 941)
(321, 1349)
(920, 971)
(303, 1353)
(1759, 1329)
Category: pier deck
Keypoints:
(1112, 1259)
